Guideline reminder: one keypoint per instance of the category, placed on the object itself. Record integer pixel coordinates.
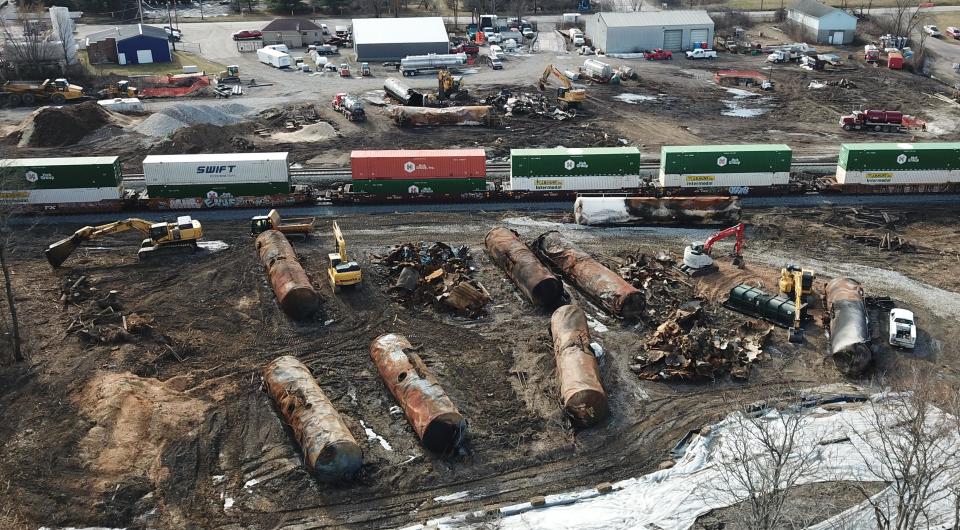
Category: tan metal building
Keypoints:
(294, 32)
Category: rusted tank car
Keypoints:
(590, 276)
(580, 390)
(849, 326)
(599, 211)
(297, 297)
(522, 266)
(434, 417)
(329, 450)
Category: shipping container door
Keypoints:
(673, 39)
(144, 56)
(699, 35)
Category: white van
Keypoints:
(496, 52)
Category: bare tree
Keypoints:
(11, 192)
(767, 457)
(912, 445)
(26, 38)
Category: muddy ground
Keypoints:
(167, 426)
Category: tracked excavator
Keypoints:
(696, 257)
(567, 96)
(163, 239)
(342, 271)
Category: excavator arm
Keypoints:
(341, 243)
(552, 70)
(58, 252)
(737, 231)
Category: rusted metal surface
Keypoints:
(849, 328)
(522, 266)
(580, 390)
(657, 210)
(433, 416)
(329, 450)
(590, 276)
(473, 115)
(297, 297)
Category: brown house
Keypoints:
(294, 32)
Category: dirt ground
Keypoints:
(167, 426)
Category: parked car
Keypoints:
(700, 53)
(173, 35)
(493, 62)
(903, 328)
(658, 54)
(932, 30)
(953, 32)
(247, 34)
(487, 32)
(324, 29)
(528, 33)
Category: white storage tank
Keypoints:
(122, 104)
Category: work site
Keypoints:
(594, 265)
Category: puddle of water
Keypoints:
(634, 98)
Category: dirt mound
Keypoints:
(60, 126)
(208, 138)
(134, 419)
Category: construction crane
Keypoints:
(696, 257)
(450, 85)
(162, 238)
(291, 226)
(797, 283)
(567, 96)
(342, 271)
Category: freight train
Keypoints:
(175, 182)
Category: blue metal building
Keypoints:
(135, 44)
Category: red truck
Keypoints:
(349, 106)
(880, 121)
(469, 48)
(658, 55)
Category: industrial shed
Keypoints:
(822, 23)
(294, 32)
(646, 30)
(135, 44)
(391, 39)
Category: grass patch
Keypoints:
(180, 59)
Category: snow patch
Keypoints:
(371, 435)
(634, 99)
(453, 496)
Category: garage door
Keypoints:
(144, 56)
(673, 39)
(700, 35)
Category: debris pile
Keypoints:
(876, 228)
(436, 274)
(62, 126)
(663, 290)
(686, 347)
(97, 317)
(525, 103)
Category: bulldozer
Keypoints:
(121, 89)
(450, 85)
(292, 226)
(56, 92)
(797, 283)
(342, 271)
(163, 239)
(567, 96)
(230, 75)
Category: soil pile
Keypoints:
(207, 138)
(61, 126)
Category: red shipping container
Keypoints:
(895, 61)
(418, 164)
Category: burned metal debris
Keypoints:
(526, 103)
(686, 347)
(436, 274)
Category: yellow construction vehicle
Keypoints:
(567, 96)
(230, 75)
(120, 90)
(450, 85)
(57, 92)
(163, 239)
(290, 226)
(343, 272)
(797, 283)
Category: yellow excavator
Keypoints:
(163, 239)
(290, 226)
(450, 85)
(796, 282)
(342, 271)
(567, 96)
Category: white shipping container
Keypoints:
(230, 168)
(60, 196)
(274, 58)
(600, 182)
(929, 176)
(701, 180)
(122, 104)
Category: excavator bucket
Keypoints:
(795, 335)
(58, 252)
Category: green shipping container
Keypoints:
(900, 156)
(574, 162)
(713, 159)
(60, 173)
(183, 191)
(418, 186)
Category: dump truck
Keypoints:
(880, 121)
(56, 92)
(291, 226)
(349, 106)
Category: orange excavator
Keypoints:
(696, 257)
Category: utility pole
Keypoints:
(201, 10)
(172, 36)
(140, 10)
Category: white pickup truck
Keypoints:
(700, 53)
(903, 328)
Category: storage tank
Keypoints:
(899, 163)
(562, 168)
(433, 60)
(698, 166)
(237, 174)
(418, 164)
(597, 69)
(61, 180)
(849, 326)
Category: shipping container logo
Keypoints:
(722, 161)
(570, 165)
(32, 176)
(410, 167)
(700, 180)
(902, 159)
(210, 170)
(878, 177)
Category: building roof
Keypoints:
(57, 161)
(657, 18)
(125, 32)
(214, 158)
(291, 24)
(398, 30)
(814, 8)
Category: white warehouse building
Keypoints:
(392, 39)
(822, 23)
(645, 30)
